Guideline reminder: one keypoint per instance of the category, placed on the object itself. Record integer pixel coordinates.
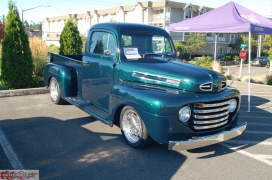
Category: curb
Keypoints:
(23, 92)
(252, 85)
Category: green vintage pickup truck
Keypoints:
(130, 77)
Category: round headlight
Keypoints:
(184, 114)
(233, 105)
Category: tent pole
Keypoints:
(249, 64)
(215, 46)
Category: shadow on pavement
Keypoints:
(69, 150)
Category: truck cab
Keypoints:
(130, 76)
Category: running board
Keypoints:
(89, 108)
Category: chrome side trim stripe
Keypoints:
(156, 78)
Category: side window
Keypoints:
(102, 43)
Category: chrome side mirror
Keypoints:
(107, 52)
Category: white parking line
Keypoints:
(253, 156)
(11, 155)
(264, 156)
(254, 117)
(260, 124)
(259, 132)
(241, 142)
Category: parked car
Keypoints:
(129, 76)
(260, 61)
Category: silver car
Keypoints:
(260, 61)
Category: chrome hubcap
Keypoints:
(132, 126)
(54, 90)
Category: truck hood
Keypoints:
(171, 73)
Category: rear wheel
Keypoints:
(55, 92)
(133, 128)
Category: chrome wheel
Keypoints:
(54, 90)
(132, 127)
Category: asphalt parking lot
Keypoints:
(63, 142)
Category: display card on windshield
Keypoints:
(131, 53)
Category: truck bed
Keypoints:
(57, 58)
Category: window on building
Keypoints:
(188, 13)
(202, 11)
(220, 50)
(101, 43)
(229, 50)
(209, 34)
(221, 35)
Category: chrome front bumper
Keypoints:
(207, 140)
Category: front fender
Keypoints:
(159, 107)
(66, 77)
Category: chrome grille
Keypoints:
(223, 85)
(206, 86)
(210, 115)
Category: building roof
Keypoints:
(145, 4)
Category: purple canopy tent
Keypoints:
(229, 18)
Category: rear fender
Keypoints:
(66, 77)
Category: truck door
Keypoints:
(98, 68)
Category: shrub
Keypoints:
(39, 51)
(38, 81)
(70, 41)
(180, 48)
(236, 59)
(204, 61)
(186, 56)
(233, 77)
(268, 79)
(217, 67)
(17, 66)
(267, 65)
(229, 57)
(54, 49)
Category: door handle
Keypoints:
(85, 62)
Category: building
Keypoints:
(159, 13)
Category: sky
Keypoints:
(64, 7)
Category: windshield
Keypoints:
(143, 45)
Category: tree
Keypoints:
(70, 40)
(267, 44)
(3, 18)
(196, 42)
(180, 48)
(238, 42)
(244, 40)
(17, 66)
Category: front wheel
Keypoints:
(133, 128)
(55, 92)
